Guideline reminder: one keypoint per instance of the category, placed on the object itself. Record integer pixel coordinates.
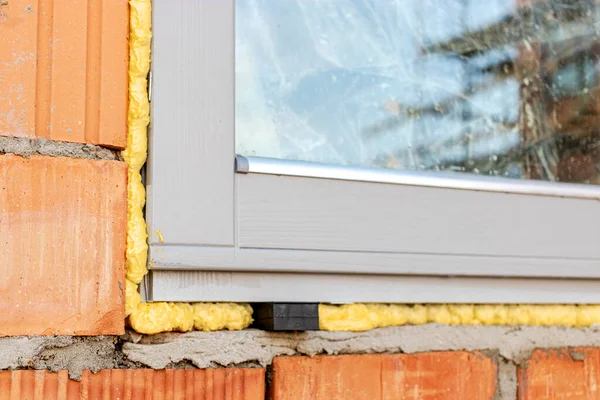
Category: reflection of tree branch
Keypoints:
(397, 121)
(498, 162)
(507, 31)
(574, 118)
(497, 74)
(460, 139)
(500, 70)
(570, 50)
(403, 113)
(527, 23)
(561, 53)
(532, 148)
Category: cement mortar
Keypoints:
(59, 353)
(206, 349)
(27, 147)
(511, 346)
(507, 380)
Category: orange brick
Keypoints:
(62, 246)
(64, 70)
(555, 374)
(452, 375)
(217, 384)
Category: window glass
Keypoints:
(495, 87)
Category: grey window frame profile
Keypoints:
(270, 235)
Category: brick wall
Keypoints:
(443, 375)
(63, 221)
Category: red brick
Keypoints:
(217, 384)
(452, 375)
(62, 246)
(64, 70)
(556, 374)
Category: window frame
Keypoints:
(218, 235)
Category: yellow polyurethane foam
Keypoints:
(149, 318)
(364, 317)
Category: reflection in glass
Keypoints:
(496, 87)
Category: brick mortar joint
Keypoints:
(26, 147)
(509, 347)
(506, 378)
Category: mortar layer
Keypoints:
(27, 147)
(206, 349)
(507, 381)
(513, 345)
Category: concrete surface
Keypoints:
(27, 147)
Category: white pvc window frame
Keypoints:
(300, 232)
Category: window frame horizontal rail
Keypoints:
(448, 180)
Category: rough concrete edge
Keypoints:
(27, 147)
(55, 353)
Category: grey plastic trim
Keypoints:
(190, 193)
(335, 288)
(144, 288)
(192, 258)
(449, 180)
(289, 212)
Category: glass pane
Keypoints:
(494, 87)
